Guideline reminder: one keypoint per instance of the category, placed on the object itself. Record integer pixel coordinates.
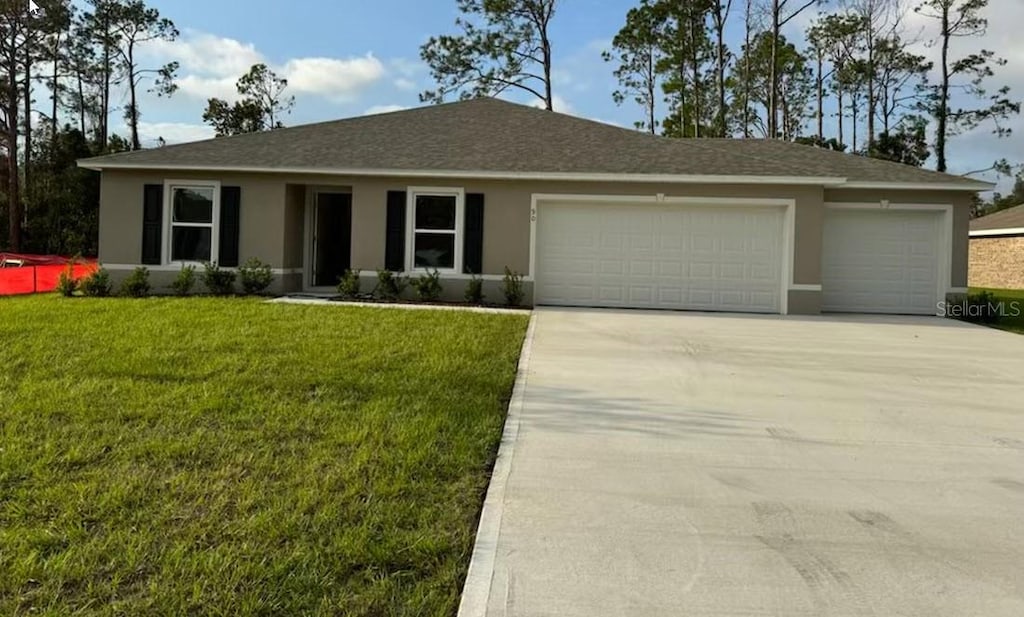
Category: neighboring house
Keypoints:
(591, 214)
(997, 250)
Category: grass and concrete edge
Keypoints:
(477, 588)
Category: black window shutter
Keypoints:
(230, 206)
(394, 245)
(473, 244)
(152, 224)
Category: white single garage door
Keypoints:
(881, 261)
(666, 256)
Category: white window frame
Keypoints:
(169, 224)
(412, 193)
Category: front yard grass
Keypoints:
(233, 457)
(1013, 308)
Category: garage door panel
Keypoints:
(660, 256)
(881, 261)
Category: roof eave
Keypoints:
(476, 174)
(1005, 231)
(826, 181)
(972, 186)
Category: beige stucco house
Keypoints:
(997, 250)
(591, 214)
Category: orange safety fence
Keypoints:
(39, 279)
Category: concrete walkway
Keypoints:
(689, 464)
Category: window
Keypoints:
(193, 210)
(436, 225)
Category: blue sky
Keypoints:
(348, 58)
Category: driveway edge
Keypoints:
(477, 589)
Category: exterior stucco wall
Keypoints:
(997, 262)
(294, 225)
(272, 227)
(262, 218)
(273, 217)
(961, 202)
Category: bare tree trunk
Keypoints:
(133, 111)
(842, 112)
(105, 103)
(55, 84)
(943, 110)
(81, 102)
(773, 85)
(720, 18)
(853, 117)
(746, 69)
(695, 61)
(545, 44)
(27, 173)
(821, 100)
(14, 216)
(651, 92)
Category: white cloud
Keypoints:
(337, 79)
(383, 109)
(211, 65)
(172, 132)
(560, 105)
(203, 88)
(405, 84)
(406, 67)
(207, 54)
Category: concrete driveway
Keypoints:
(692, 464)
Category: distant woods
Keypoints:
(854, 83)
(66, 72)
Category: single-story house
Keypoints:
(997, 250)
(590, 214)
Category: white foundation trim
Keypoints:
(177, 268)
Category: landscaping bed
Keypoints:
(1007, 307)
(230, 456)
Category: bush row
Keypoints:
(254, 276)
(427, 287)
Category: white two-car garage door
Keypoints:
(661, 255)
(882, 261)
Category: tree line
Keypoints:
(65, 72)
(855, 84)
(67, 75)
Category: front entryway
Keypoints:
(705, 257)
(332, 237)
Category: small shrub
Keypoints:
(185, 281)
(982, 307)
(512, 287)
(137, 284)
(255, 276)
(475, 290)
(428, 286)
(218, 281)
(97, 284)
(66, 283)
(389, 285)
(350, 284)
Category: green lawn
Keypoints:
(1013, 302)
(232, 457)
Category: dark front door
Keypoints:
(332, 239)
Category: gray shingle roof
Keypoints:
(489, 135)
(1011, 218)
